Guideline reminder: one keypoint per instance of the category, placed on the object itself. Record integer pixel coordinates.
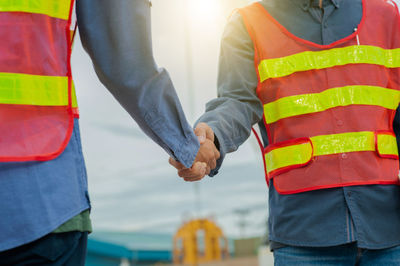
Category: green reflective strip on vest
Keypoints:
(342, 96)
(357, 54)
(342, 143)
(300, 154)
(26, 89)
(73, 96)
(53, 8)
(386, 146)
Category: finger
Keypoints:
(193, 179)
(197, 170)
(208, 170)
(216, 154)
(212, 164)
(191, 174)
(176, 164)
(196, 178)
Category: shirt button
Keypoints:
(325, 25)
(344, 156)
(340, 122)
(349, 193)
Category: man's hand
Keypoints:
(206, 158)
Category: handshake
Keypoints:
(206, 158)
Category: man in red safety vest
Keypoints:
(323, 77)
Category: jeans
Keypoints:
(66, 249)
(345, 255)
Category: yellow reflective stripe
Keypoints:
(357, 54)
(26, 89)
(385, 144)
(345, 142)
(286, 156)
(73, 96)
(53, 8)
(299, 154)
(342, 96)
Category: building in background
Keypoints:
(127, 248)
(138, 248)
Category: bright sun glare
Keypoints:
(201, 10)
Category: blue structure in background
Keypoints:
(126, 248)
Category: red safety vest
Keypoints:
(329, 109)
(37, 98)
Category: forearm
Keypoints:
(237, 108)
(231, 120)
(117, 36)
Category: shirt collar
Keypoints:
(306, 4)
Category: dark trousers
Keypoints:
(67, 249)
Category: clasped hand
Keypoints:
(206, 158)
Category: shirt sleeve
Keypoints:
(117, 36)
(237, 107)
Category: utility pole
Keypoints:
(242, 222)
(189, 60)
(190, 89)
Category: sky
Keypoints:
(132, 186)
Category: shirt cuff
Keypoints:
(222, 152)
(187, 152)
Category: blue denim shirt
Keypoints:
(368, 215)
(37, 197)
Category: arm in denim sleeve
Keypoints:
(117, 36)
(237, 107)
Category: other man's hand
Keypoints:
(206, 158)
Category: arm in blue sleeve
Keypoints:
(237, 107)
(117, 36)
